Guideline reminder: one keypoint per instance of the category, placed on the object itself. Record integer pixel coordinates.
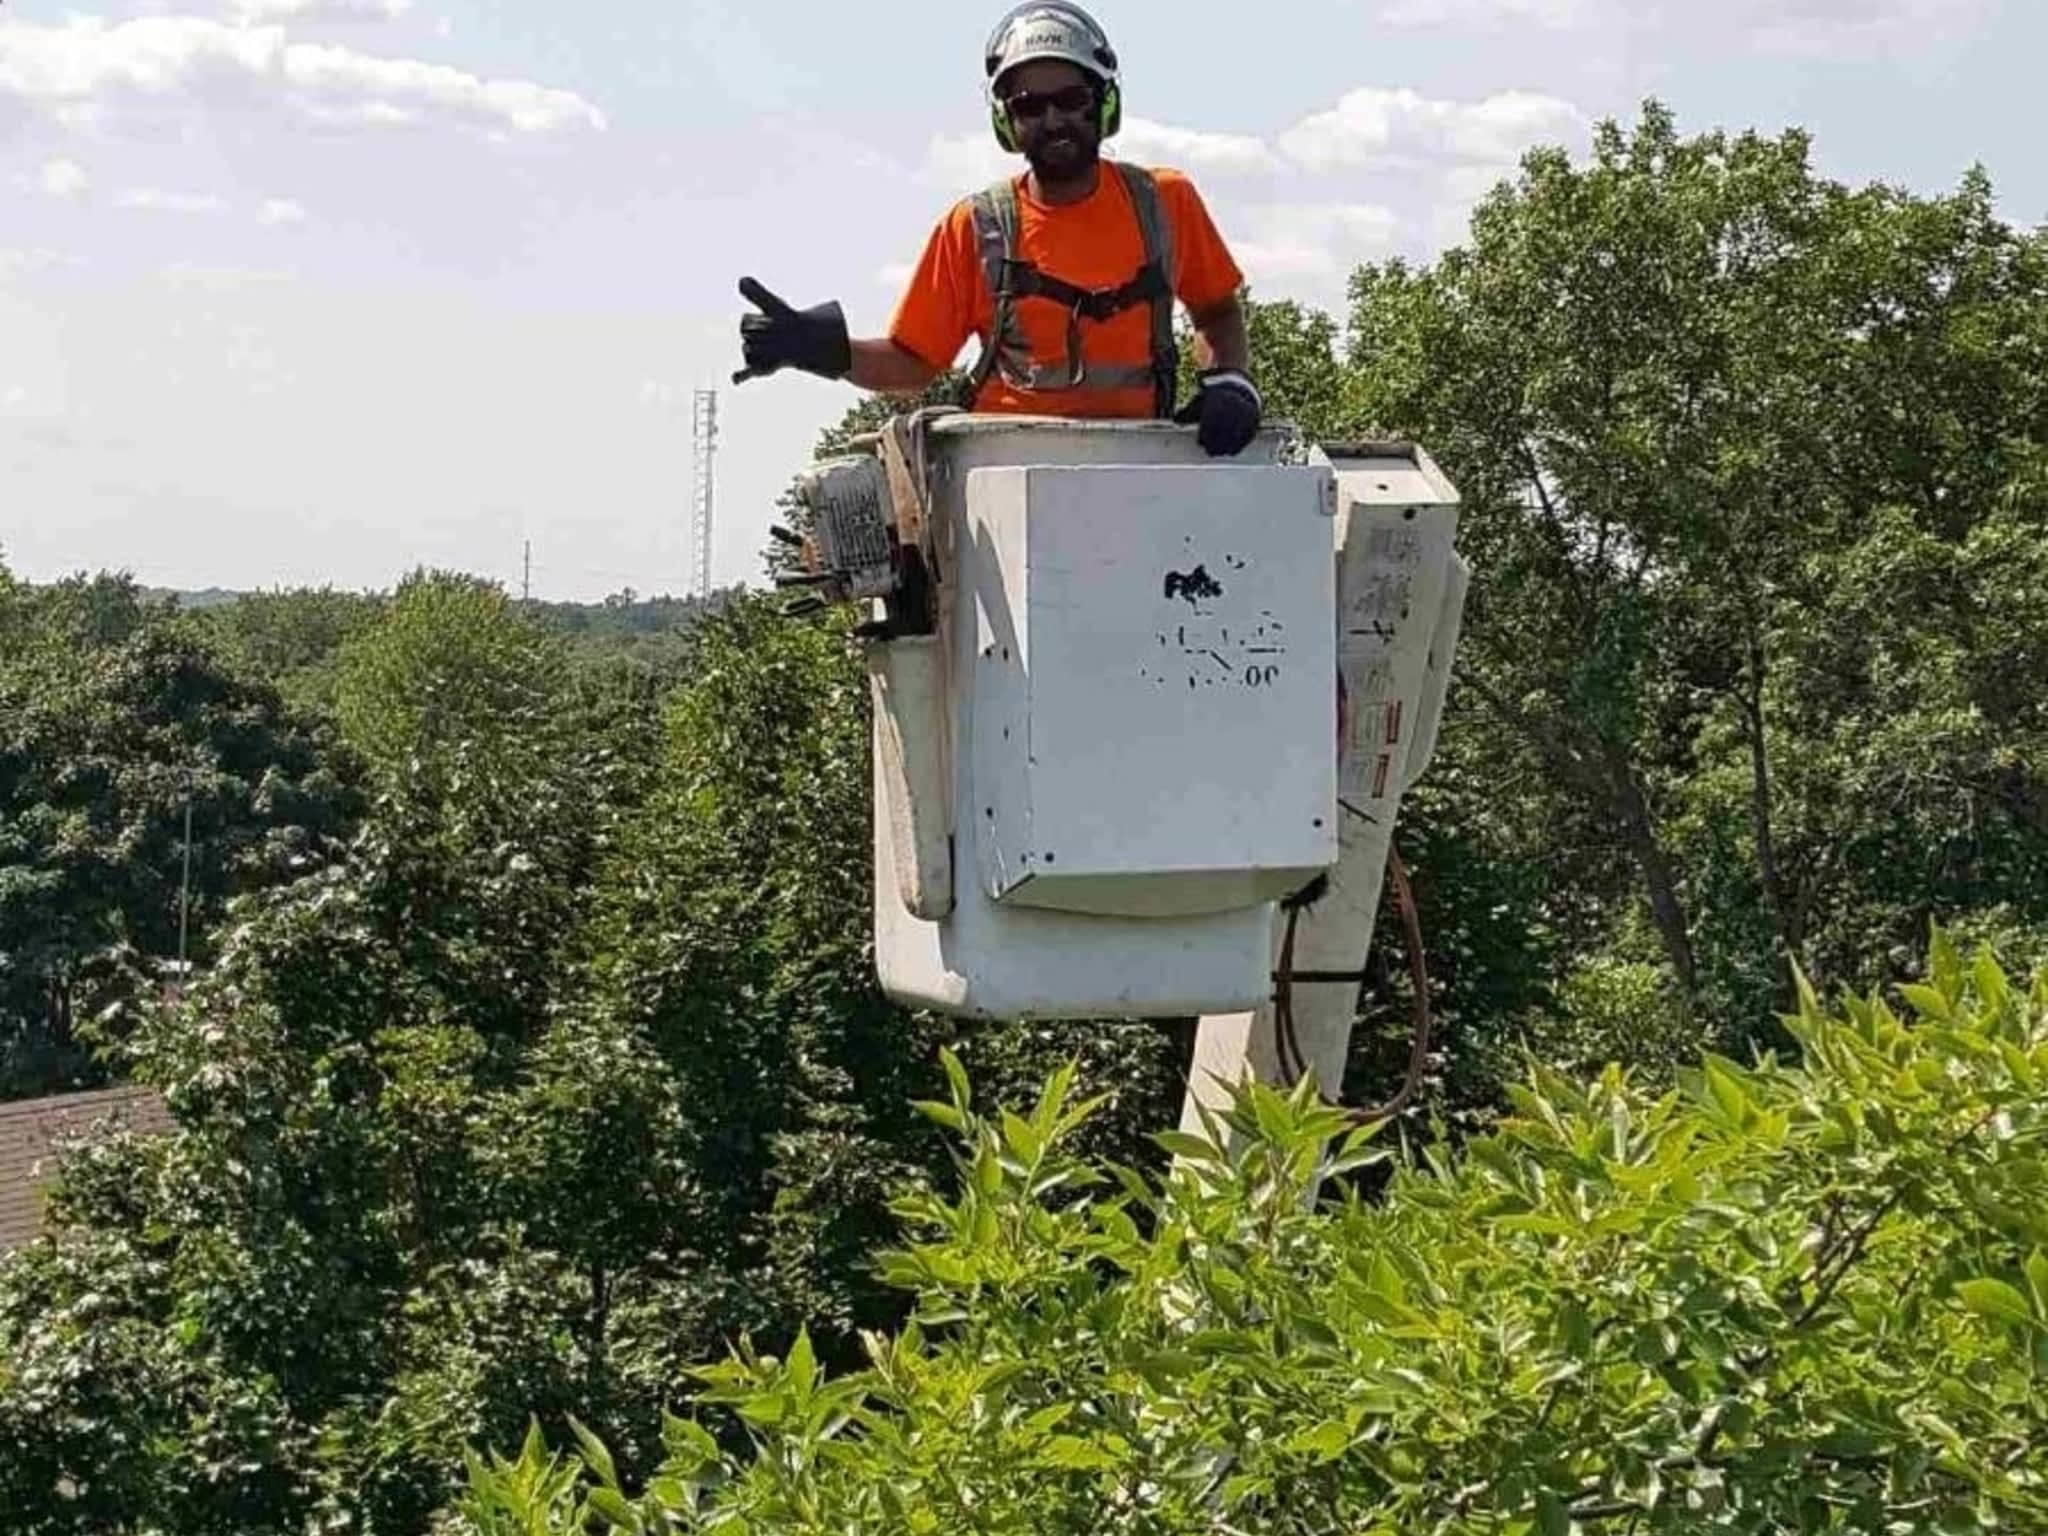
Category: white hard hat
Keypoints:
(1049, 29)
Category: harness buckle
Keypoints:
(1077, 359)
(1101, 304)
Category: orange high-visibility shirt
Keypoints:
(1092, 244)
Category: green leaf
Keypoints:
(1929, 1002)
(611, 1504)
(1163, 1367)
(2018, 1063)
(1132, 1183)
(1945, 964)
(1049, 1418)
(1022, 1138)
(1724, 1082)
(802, 1366)
(1351, 1162)
(767, 1410)
(595, 1456)
(988, 1170)
(1994, 990)
(1810, 1010)
(2037, 1278)
(688, 1436)
(1225, 1341)
(1072, 1451)
(1995, 1299)
(956, 1075)
(1542, 1225)
(1052, 1098)
(1315, 1333)
(1385, 1279)
(944, 1114)
(1325, 1442)
(1404, 1320)
(533, 1451)
(1182, 1144)
(670, 1494)
(1272, 1114)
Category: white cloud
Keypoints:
(1192, 149)
(89, 62)
(320, 10)
(280, 210)
(974, 159)
(64, 178)
(363, 114)
(87, 57)
(212, 279)
(1373, 127)
(1309, 245)
(1818, 26)
(16, 261)
(1467, 184)
(963, 162)
(1785, 25)
(520, 104)
(1380, 172)
(154, 200)
(1369, 128)
(1441, 13)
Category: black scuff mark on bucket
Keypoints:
(1193, 586)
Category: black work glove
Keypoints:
(813, 339)
(1227, 406)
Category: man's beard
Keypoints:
(1064, 154)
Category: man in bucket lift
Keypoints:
(1068, 274)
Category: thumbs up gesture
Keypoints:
(779, 337)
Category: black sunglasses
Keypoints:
(1070, 100)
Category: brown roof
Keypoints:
(28, 1157)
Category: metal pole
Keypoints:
(185, 887)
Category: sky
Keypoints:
(313, 292)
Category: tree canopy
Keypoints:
(1780, 1299)
(1747, 455)
(116, 723)
(534, 1060)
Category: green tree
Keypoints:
(573, 1070)
(291, 639)
(298, 1295)
(570, 1071)
(450, 670)
(115, 721)
(1670, 384)
(1779, 1299)
(735, 940)
(1294, 359)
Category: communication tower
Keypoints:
(704, 456)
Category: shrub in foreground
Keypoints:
(1778, 1298)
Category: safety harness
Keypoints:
(997, 228)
